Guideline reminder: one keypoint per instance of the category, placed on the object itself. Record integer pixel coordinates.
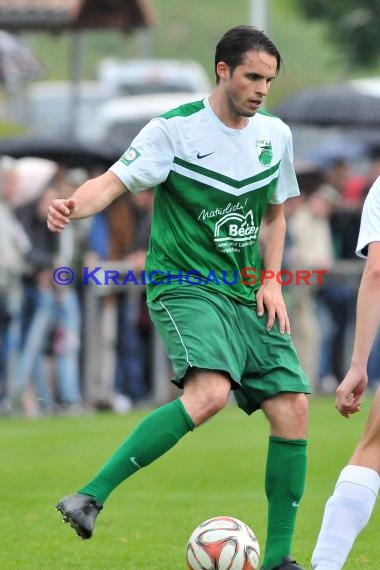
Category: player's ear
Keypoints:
(222, 70)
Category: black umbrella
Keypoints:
(68, 151)
(347, 104)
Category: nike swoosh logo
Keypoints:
(295, 504)
(204, 155)
(133, 460)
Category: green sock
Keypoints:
(153, 436)
(284, 486)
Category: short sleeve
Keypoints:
(148, 160)
(287, 184)
(370, 220)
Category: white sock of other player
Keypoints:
(346, 514)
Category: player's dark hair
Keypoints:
(234, 44)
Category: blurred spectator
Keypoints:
(121, 233)
(132, 374)
(336, 301)
(311, 249)
(50, 317)
(358, 186)
(14, 245)
(109, 239)
(338, 173)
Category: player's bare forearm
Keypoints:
(95, 195)
(275, 228)
(351, 389)
(90, 198)
(269, 295)
(368, 307)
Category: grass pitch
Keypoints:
(219, 469)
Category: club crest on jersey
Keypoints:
(265, 152)
(130, 156)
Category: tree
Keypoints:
(352, 26)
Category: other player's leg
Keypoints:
(350, 507)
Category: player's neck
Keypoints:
(219, 104)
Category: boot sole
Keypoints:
(67, 518)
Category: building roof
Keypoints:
(61, 15)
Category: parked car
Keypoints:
(52, 108)
(121, 119)
(143, 76)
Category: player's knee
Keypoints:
(217, 402)
(203, 406)
(213, 403)
(288, 415)
(205, 394)
(301, 406)
(298, 410)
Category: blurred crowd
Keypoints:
(323, 228)
(43, 326)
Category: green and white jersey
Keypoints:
(212, 186)
(369, 224)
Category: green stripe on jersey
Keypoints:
(184, 110)
(226, 179)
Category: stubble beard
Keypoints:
(238, 110)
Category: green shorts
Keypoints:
(208, 330)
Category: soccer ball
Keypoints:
(223, 543)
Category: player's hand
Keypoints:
(350, 391)
(58, 214)
(269, 297)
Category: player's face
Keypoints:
(247, 86)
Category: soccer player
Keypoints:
(218, 166)
(349, 509)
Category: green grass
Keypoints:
(217, 470)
